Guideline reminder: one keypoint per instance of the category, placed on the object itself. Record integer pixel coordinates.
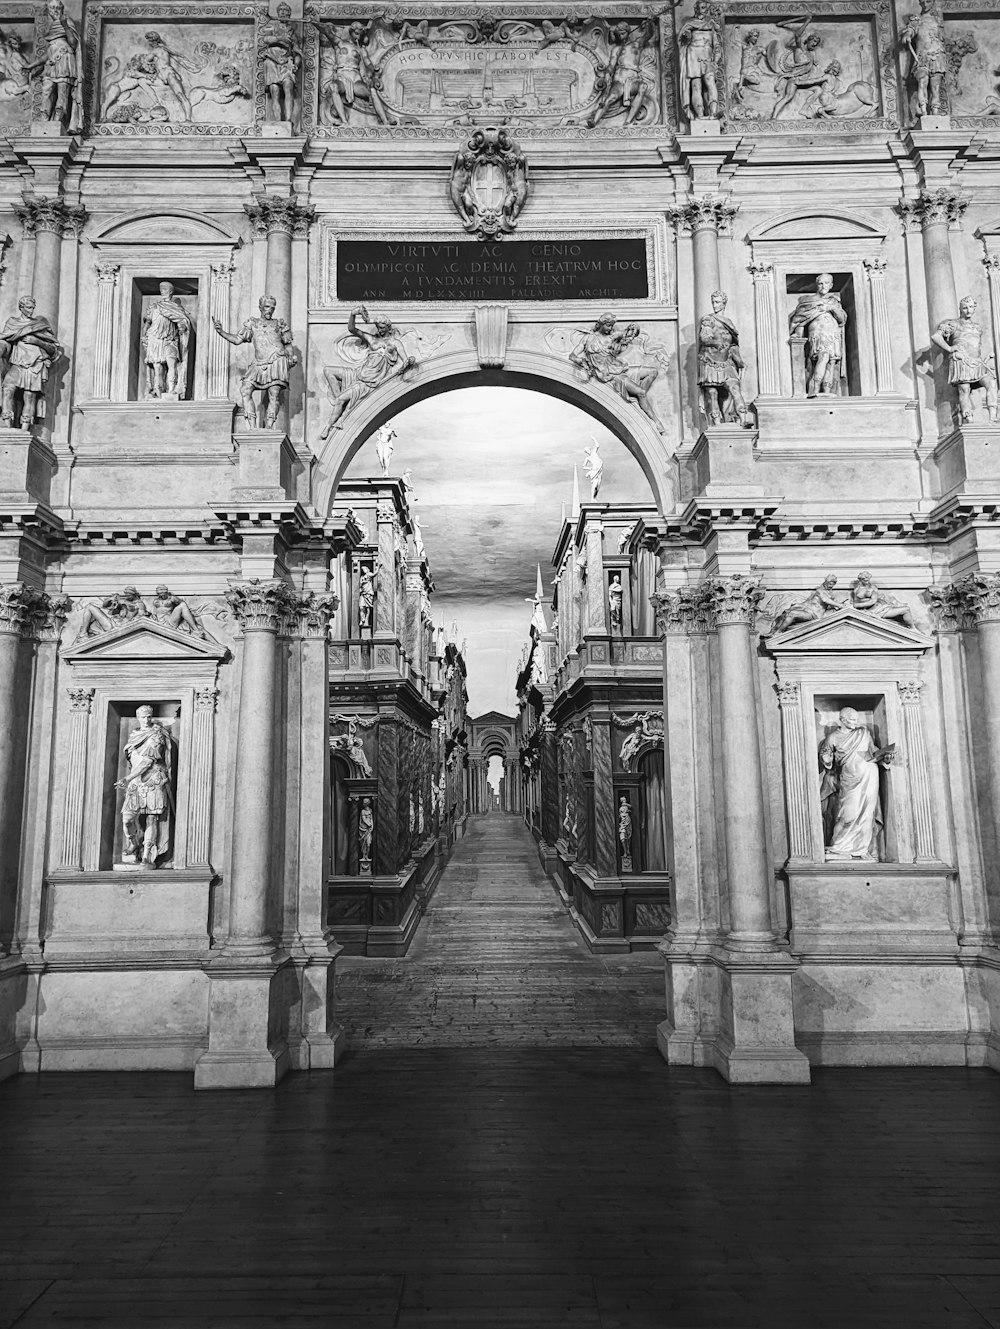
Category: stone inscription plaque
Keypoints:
(370, 270)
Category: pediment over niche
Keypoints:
(146, 641)
(849, 631)
(170, 228)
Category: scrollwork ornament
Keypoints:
(259, 606)
(788, 693)
(760, 271)
(205, 699)
(80, 699)
(909, 692)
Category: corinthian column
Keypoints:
(935, 210)
(279, 219)
(705, 218)
(46, 221)
(979, 597)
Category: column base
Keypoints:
(248, 1005)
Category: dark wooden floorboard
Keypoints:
(502, 1187)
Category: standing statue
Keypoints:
(281, 54)
(923, 37)
(268, 374)
(148, 801)
(383, 357)
(822, 318)
(720, 366)
(169, 65)
(625, 832)
(27, 347)
(816, 605)
(593, 467)
(116, 611)
(849, 766)
(623, 84)
(961, 339)
(166, 333)
(867, 597)
(700, 55)
(57, 50)
(173, 612)
(385, 439)
(615, 594)
(600, 355)
(366, 832)
(351, 743)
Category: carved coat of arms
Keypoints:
(489, 183)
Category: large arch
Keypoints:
(532, 370)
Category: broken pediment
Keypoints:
(144, 640)
(849, 631)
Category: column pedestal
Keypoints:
(247, 1048)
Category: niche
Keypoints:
(833, 793)
(799, 284)
(158, 333)
(122, 722)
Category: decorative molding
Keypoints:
(491, 335)
(259, 606)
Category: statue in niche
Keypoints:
(593, 468)
(148, 801)
(923, 37)
(366, 833)
(700, 53)
(600, 354)
(28, 347)
(115, 611)
(173, 612)
(351, 743)
(625, 832)
(273, 359)
(57, 46)
(615, 594)
(821, 318)
(961, 339)
(166, 335)
(867, 597)
(816, 605)
(647, 728)
(849, 788)
(720, 365)
(624, 83)
(281, 53)
(375, 351)
(385, 439)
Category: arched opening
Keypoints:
(495, 780)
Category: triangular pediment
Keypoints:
(849, 630)
(144, 639)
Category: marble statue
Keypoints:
(816, 605)
(600, 353)
(821, 318)
(615, 593)
(57, 51)
(382, 356)
(593, 467)
(173, 612)
(924, 39)
(115, 611)
(699, 58)
(27, 348)
(281, 54)
(169, 68)
(272, 362)
(351, 743)
(366, 832)
(800, 66)
(385, 439)
(647, 728)
(351, 76)
(720, 365)
(849, 788)
(489, 183)
(625, 832)
(166, 334)
(148, 803)
(969, 366)
(867, 597)
(624, 83)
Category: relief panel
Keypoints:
(17, 36)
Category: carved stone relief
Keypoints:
(373, 351)
(184, 68)
(17, 40)
(949, 55)
(623, 358)
(489, 183)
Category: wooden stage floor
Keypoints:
(502, 1183)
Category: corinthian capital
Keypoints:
(260, 606)
(27, 613)
(933, 206)
(270, 213)
(681, 611)
(734, 599)
(55, 215)
(980, 596)
(712, 212)
(314, 612)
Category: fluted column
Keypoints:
(218, 347)
(259, 607)
(104, 337)
(799, 779)
(992, 265)
(884, 377)
(71, 849)
(46, 221)
(935, 210)
(768, 377)
(733, 604)
(202, 772)
(705, 218)
(916, 761)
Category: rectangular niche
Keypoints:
(121, 721)
(145, 292)
(871, 707)
(798, 284)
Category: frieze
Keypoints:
(825, 67)
(969, 91)
(17, 97)
(182, 68)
